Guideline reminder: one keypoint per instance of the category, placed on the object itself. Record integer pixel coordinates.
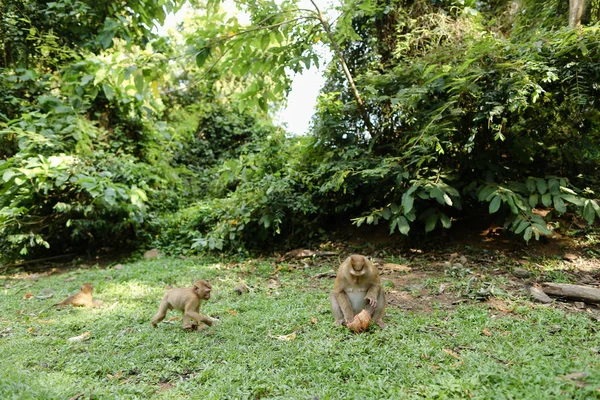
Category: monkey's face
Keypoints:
(357, 266)
(202, 289)
(87, 288)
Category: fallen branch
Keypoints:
(576, 292)
(539, 295)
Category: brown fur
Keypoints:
(83, 298)
(357, 287)
(188, 301)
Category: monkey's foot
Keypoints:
(381, 324)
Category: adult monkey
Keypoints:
(357, 287)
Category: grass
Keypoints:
(471, 350)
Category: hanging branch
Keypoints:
(340, 55)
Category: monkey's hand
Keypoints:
(372, 301)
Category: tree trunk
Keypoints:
(576, 8)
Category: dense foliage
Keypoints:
(114, 135)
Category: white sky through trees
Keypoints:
(297, 114)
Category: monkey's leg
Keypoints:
(336, 310)
(186, 322)
(160, 315)
(377, 314)
(199, 317)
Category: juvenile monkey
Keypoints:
(83, 298)
(188, 301)
(357, 287)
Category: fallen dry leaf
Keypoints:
(164, 386)
(286, 338)
(28, 296)
(77, 396)
(485, 332)
(272, 283)
(115, 376)
(44, 297)
(232, 312)
(45, 321)
(173, 319)
(575, 375)
(453, 354)
(313, 320)
(70, 279)
(396, 267)
(79, 338)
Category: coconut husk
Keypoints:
(360, 323)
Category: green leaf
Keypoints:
(446, 222)
(412, 189)
(393, 225)
(588, 212)
(542, 228)
(386, 213)
(559, 204)
(568, 190)
(533, 200)
(547, 199)
(86, 79)
(436, 193)
(447, 199)
(407, 202)
(265, 41)
(553, 186)
(202, 56)
(522, 225)
(139, 82)
(541, 185)
(530, 184)
(485, 192)
(495, 204)
(573, 200)
(527, 234)
(596, 207)
(8, 174)
(431, 222)
(403, 226)
(108, 91)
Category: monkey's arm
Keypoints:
(373, 295)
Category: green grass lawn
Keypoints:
(469, 350)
